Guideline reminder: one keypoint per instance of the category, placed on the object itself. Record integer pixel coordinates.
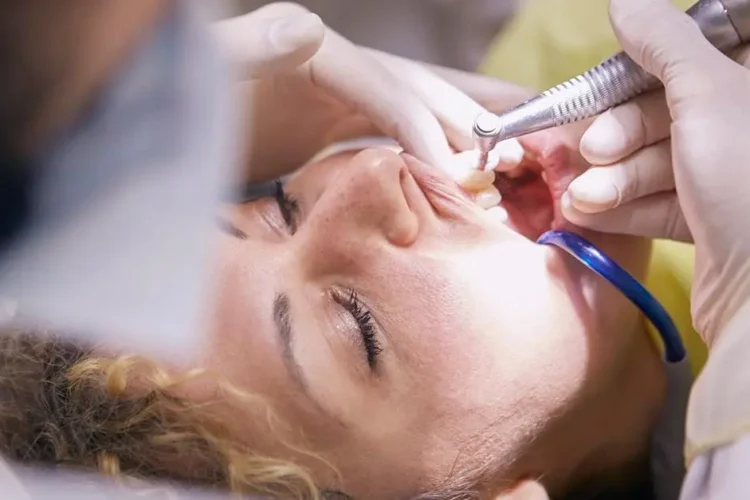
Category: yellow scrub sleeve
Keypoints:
(553, 40)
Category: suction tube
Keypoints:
(593, 258)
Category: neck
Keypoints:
(612, 430)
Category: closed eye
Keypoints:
(363, 316)
(288, 207)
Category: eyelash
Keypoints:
(288, 207)
(366, 324)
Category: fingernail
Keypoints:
(294, 32)
(593, 192)
(603, 138)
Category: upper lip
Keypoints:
(442, 193)
(447, 202)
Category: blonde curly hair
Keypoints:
(65, 406)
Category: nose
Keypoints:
(367, 200)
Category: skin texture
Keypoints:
(498, 355)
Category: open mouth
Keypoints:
(531, 193)
(528, 201)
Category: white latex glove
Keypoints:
(309, 87)
(274, 38)
(684, 177)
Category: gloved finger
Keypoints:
(656, 216)
(632, 126)
(626, 129)
(455, 110)
(643, 173)
(271, 39)
(667, 43)
(356, 79)
(495, 95)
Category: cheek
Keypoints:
(521, 344)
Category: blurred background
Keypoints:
(453, 33)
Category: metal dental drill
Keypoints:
(725, 23)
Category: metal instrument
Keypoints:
(725, 23)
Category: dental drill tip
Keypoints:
(484, 158)
(486, 129)
(487, 125)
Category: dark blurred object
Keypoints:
(16, 181)
(453, 33)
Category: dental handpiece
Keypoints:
(724, 23)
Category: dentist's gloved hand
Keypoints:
(676, 164)
(273, 38)
(309, 87)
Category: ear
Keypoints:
(525, 490)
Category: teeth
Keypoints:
(463, 170)
(476, 180)
(488, 197)
(498, 213)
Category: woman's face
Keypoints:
(406, 332)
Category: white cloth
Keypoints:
(119, 246)
(23, 483)
(720, 474)
(718, 421)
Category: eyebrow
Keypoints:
(282, 320)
